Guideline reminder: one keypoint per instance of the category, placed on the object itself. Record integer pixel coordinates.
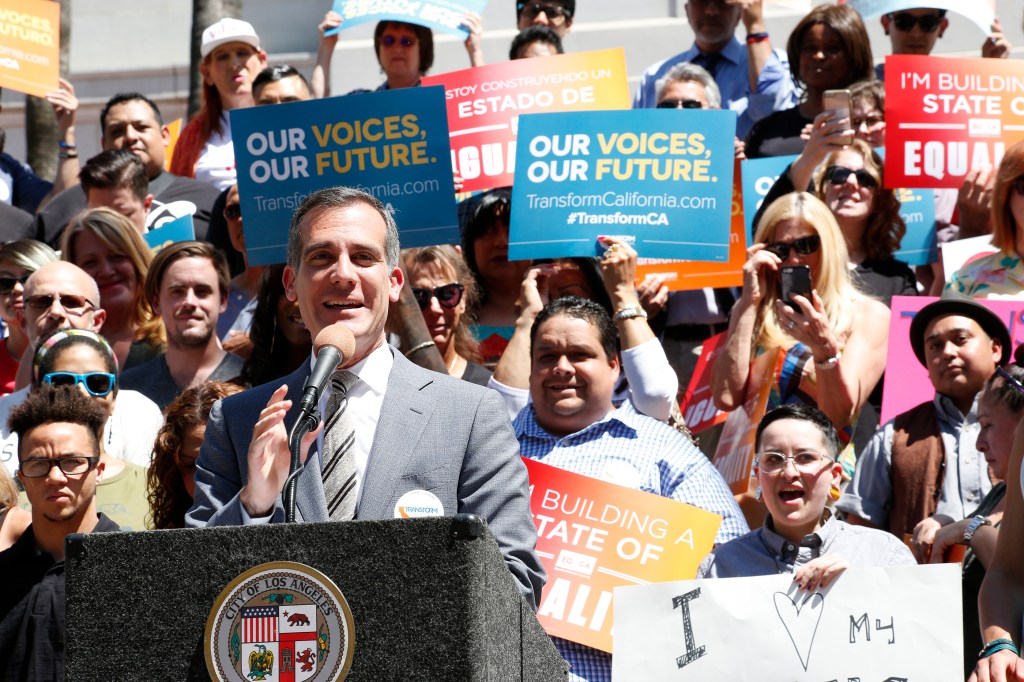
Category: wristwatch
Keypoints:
(629, 311)
(972, 528)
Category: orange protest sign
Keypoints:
(29, 46)
(594, 536)
(734, 457)
(683, 274)
(174, 128)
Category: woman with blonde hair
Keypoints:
(13, 519)
(444, 288)
(827, 350)
(108, 247)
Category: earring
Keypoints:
(757, 495)
(834, 493)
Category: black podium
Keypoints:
(431, 599)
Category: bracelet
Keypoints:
(64, 145)
(68, 155)
(831, 363)
(419, 347)
(756, 37)
(628, 312)
(1001, 644)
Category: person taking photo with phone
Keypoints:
(825, 349)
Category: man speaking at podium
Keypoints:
(404, 428)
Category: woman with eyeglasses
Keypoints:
(109, 248)
(82, 358)
(829, 49)
(171, 477)
(280, 340)
(444, 288)
(1001, 274)
(826, 350)
(797, 449)
(18, 260)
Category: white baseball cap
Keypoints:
(228, 30)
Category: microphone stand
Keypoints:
(306, 422)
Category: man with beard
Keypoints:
(187, 286)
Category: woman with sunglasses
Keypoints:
(1001, 274)
(279, 339)
(18, 260)
(828, 50)
(444, 288)
(797, 474)
(83, 358)
(171, 477)
(827, 350)
(109, 248)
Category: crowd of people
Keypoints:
(146, 390)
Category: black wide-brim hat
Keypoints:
(954, 303)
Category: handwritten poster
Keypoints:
(484, 105)
(439, 15)
(946, 117)
(906, 379)
(871, 624)
(660, 180)
(392, 144)
(684, 275)
(980, 12)
(593, 536)
(29, 46)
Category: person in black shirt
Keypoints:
(59, 466)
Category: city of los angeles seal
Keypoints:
(280, 621)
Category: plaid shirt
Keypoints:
(639, 452)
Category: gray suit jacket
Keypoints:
(435, 433)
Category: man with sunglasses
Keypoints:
(925, 461)
(133, 122)
(754, 79)
(59, 432)
(187, 286)
(421, 435)
(555, 14)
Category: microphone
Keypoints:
(333, 344)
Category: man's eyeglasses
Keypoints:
(449, 295)
(805, 246)
(929, 23)
(389, 41)
(870, 122)
(76, 305)
(556, 14)
(681, 104)
(837, 175)
(39, 467)
(98, 384)
(233, 211)
(806, 462)
(7, 284)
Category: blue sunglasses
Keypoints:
(98, 384)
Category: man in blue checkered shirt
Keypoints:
(572, 423)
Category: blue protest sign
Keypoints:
(917, 208)
(758, 176)
(659, 179)
(392, 144)
(439, 15)
(177, 230)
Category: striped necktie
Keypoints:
(339, 464)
